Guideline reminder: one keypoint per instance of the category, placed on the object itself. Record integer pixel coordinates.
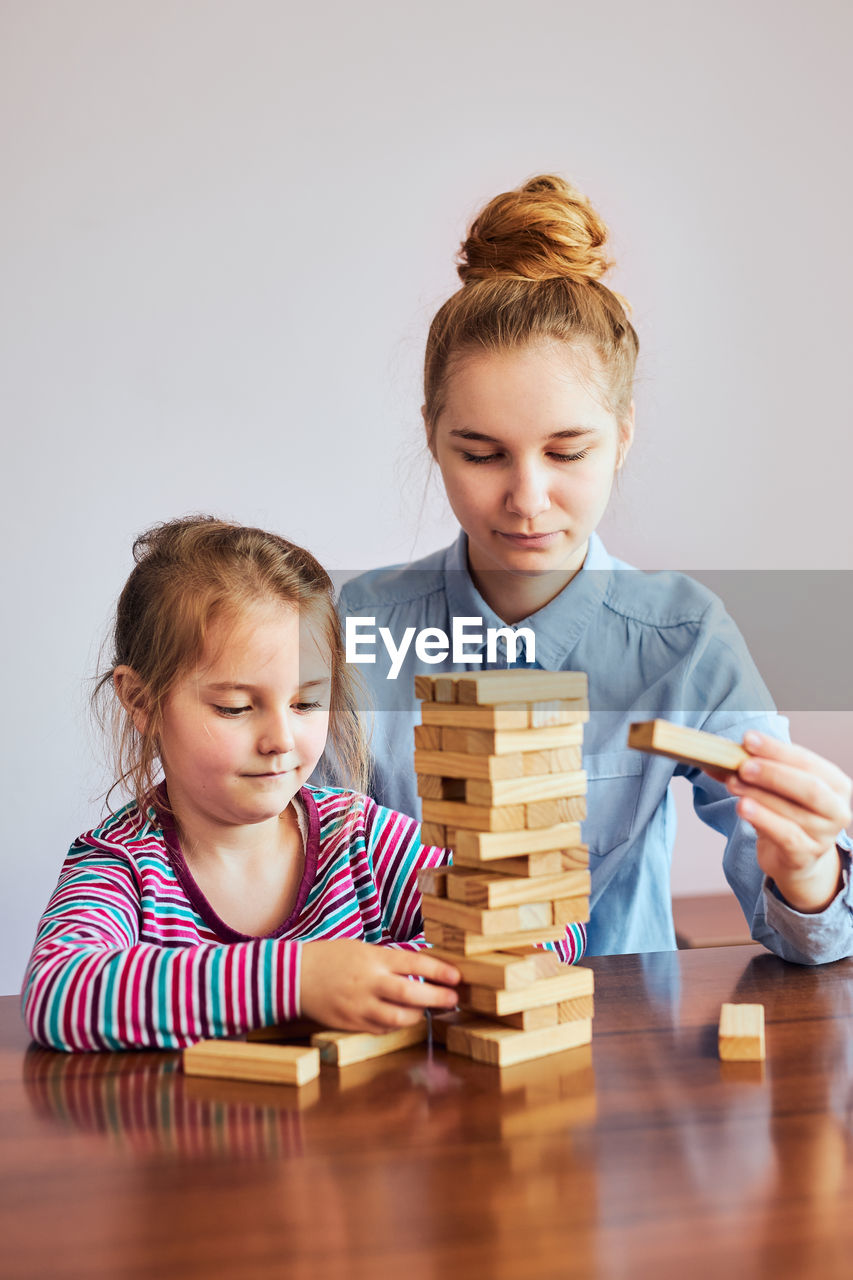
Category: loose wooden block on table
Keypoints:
(741, 1034)
(266, 1063)
(504, 742)
(341, 1048)
(475, 847)
(690, 746)
(472, 817)
(451, 938)
(502, 1046)
(505, 791)
(521, 685)
(485, 889)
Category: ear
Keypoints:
(132, 695)
(626, 437)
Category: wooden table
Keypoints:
(644, 1157)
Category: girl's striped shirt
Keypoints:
(130, 954)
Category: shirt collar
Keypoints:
(559, 625)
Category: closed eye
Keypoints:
(480, 458)
(231, 712)
(306, 706)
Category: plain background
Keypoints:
(227, 224)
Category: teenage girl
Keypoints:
(529, 415)
(230, 895)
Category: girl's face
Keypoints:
(242, 732)
(528, 453)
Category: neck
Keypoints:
(205, 842)
(514, 596)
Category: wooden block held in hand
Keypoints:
(236, 1060)
(690, 746)
(741, 1036)
(341, 1048)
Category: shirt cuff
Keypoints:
(824, 935)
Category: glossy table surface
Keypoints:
(644, 1156)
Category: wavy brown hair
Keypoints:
(188, 574)
(531, 269)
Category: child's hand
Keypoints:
(356, 986)
(797, 802)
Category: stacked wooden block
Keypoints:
(498, 759)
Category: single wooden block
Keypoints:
(425, 688)
(549, 786)
(521, 684)
(473, 817)
(529, 865)
(452, 938)
(427, 738)
(574, 1010)
(500, 920)
(547, 714)
(496, 969)
(341, 1048)
(557, 760)
(486, 889)
(452, 716)
(474, 847)
(532, 1019)
(433, 880)
(506, 742)
(445, 689)
(454, 764)
(690, 746)
(503, 1046)
(572, 983)
(238, 1060)
(434, 833)
(571, 911)
(741, 1035)
(432, 788)
(551, 813)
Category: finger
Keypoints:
(389, 1016)
(420, 964)
(797, 846)
(761, 744)
(418, 995)
(806, 790)
(819, 829)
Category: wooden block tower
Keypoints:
(498, 759)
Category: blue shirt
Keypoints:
(653, 645)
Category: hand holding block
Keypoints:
(690, 746)
(741, 1032)
(235, 1060)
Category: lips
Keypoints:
(530, 539)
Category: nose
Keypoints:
(277, 737)
(527, 495)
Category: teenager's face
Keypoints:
(242, 732)
(528, 453)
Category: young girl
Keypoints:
(529, 415)
(232, 896)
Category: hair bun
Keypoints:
(541, 230)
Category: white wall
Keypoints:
(226, 224)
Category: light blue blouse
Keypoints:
(652, 644)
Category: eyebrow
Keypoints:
(228, 685)
(569, 433)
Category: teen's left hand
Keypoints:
(797, 802)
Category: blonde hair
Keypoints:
(188, 574)
(531, 269)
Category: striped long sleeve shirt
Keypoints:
(129, 953)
